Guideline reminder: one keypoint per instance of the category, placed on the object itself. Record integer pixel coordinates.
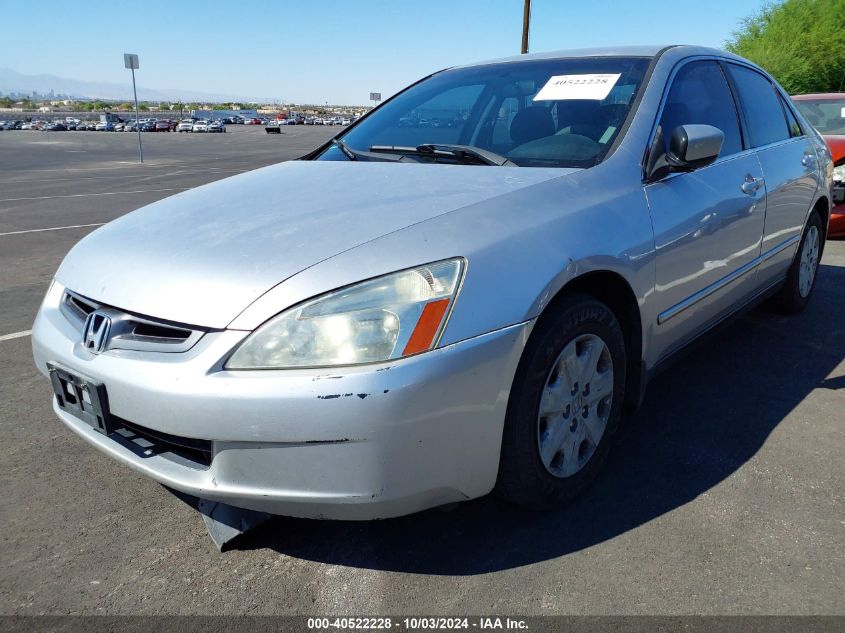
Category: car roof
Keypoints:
(820, 96)
(647, 50)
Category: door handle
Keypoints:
(808, 160)
(751, 185)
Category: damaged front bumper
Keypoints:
(362, 442)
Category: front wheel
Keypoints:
(565, 405)
(801, 278)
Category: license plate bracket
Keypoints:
(81, 397)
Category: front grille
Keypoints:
(161, 332)
(131, 331)
(79, 306)
(146, 442)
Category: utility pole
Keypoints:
(526, 22)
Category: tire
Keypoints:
(586, 327)
(795, 294)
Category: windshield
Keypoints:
(539, 113)
(826, 115)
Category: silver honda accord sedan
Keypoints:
(464, 291)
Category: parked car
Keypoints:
(200, 126)
(477, 317)
(185, 125)
(130, 126)
(104, 126)
(118, 127)
(162, 126)
(827, 114)
(55, 126)
(216, 126)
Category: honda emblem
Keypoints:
(95, 333)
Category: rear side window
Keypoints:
(791, 122)
(700, 95)
(763, 112)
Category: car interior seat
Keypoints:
(532, 123)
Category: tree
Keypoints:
(800, 42)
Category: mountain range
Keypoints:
(12, 81)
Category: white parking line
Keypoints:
(9, 337)
(27, 183)
(121, 165)
(87, 195)
(54, 228)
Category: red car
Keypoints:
(827, 114)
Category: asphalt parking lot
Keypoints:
(725, 495)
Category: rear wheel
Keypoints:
(565, 405)
(801, 278)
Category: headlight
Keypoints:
(839, 173)
(396, 315)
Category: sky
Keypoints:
(328, 51)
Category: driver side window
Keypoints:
(700, 95)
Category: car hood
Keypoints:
(202, 256)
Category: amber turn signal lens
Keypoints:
(423, 335)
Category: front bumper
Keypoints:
(348, 443)
(836, 226)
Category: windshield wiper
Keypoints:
(463, 153)
(343, 147)
(357, 154)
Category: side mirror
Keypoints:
(690, 147)
(694, 146)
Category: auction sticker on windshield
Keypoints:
(592, 86)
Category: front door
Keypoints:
(708, 223)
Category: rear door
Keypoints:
(789, 162)
(708, 223)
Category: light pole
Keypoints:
(131, 61)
